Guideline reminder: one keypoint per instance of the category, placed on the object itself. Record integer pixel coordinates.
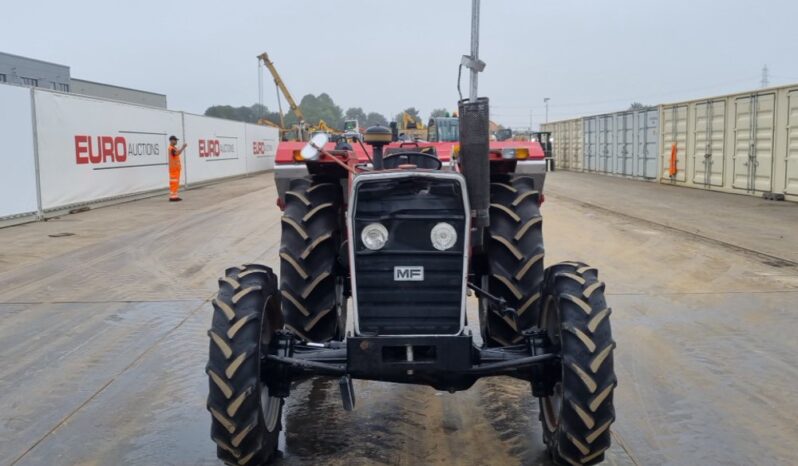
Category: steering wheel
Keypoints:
(395, 159)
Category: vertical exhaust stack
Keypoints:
(475, 135)
(474, 146)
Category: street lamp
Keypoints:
(546, 102)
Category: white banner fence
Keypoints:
(61, 150)
(17, 160)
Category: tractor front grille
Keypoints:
(409, 207)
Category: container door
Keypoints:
(647, 137)
(624, 143)
(590, 143)
(578, 145)
(565, 147)
(753, 142)
(557, 144)
(674, 132)
(709, 129)
(606, 149)
(568, 127)
(791, 176)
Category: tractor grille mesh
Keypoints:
(409, 209)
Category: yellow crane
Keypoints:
(278, 81)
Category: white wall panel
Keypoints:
(17, 165)
(261, 146)
(215, 148)
(91, 149)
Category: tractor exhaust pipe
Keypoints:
(475, 135)
(474, 146)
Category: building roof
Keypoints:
(33, 59)
(117, 87)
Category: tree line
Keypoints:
(315, 109)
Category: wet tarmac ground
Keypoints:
(103, 344)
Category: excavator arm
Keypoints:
(279, 81)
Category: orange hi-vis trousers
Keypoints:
(174, 180)
(174, 172)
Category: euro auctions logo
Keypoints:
(258, 148)
(103, 149)
(261, 148)
(209, 148)
(110, 150)
(214, 148)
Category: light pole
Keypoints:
(546, 102)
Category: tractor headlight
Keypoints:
(508, 154)
(374, 236)
(443, 236)
(519, 153)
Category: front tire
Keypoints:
(310, 276)
(577, 416)
(246, 314)
(514, 254)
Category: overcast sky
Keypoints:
(587, 56)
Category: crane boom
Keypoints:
(279, 81)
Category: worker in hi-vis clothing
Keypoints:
(174, 168)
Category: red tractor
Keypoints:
(406, 232)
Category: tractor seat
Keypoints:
(398, 156)
(411, 147)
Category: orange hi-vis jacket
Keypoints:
(174, 158)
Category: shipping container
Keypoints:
(623, 143)
(744, 143)
(567, 143)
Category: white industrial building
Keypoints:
(25, 71)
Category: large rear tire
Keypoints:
(514, 246)
(246, 314)
(310, 275)
(577, 416)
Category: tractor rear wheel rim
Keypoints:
(552, 405)
(269, 405)
(270, 408)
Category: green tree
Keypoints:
(356, 113)
(439, 112)
(637, 106)
(375, 119)
(317, 108)
(249, 114)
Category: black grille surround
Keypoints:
(408, 204)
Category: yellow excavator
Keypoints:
(412, 127)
